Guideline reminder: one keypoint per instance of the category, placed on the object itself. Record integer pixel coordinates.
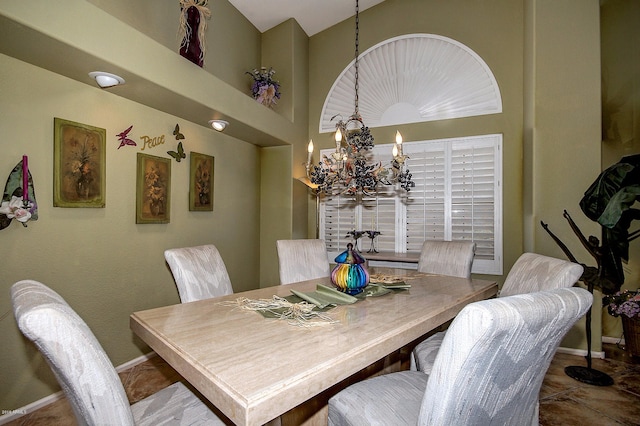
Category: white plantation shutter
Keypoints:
(338, 219)
(474, 189)
(425, 207)
(458, 196)
(375, 214)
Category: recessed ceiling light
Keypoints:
(218, 125)
(105, 79)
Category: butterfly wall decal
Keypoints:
(177, 133)
(178, 155)
(124, 140)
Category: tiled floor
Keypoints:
(563, 400)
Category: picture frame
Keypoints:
(201, 178)
(79, 164)
(153, 189)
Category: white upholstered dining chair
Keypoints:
(199, 272)
(301, 260)
(86, 374)
(489, 368)
(453, 258)
(532, 272)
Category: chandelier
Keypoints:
(350, 169)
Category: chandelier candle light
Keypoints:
(349, 170)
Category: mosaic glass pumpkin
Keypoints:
(349, 274)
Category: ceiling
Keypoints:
(312, 15)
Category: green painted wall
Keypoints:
(104, 264)
(284, 209)
(563, 136)
(233, 45)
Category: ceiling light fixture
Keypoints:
(219, 125)
(105, 79)
(350, 169)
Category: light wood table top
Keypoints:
(254, 369)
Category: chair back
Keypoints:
(81, 366)
(199, 272)
(534, 272)
(301, 260)
(453, 258)
(494, 357)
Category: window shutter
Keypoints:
(425, 207)
(337, 218)
(472, 196)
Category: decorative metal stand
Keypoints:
(356, 235)
(584, 374)
(372, 235)
(587, 374)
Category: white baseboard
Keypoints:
(613, 340)
(580, 352)
(10, 415)
(142, 358)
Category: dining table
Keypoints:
(255, 369)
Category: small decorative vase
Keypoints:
(155, 207)
(350, 274)
(203, 198)
(82, 187)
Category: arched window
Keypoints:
(414, 78)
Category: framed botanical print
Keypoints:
(201, 182)
(79, 164)
(153, 189)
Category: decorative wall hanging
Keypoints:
(201, 182)
(193, 24)
(19, 198)
(177, 134)
(79, 165)
(124, 140)
(415, 78)
(178, 154)
(265, 89)
(153, 189)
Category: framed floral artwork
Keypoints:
(79, 164)
(153, 189)
(201, 182)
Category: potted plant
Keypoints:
(609, 202)
(626, 305)
(264, 89)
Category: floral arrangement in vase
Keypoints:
(626, 302)
(155, 192)
(203, 183)
(82, 167)
(264, 89)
